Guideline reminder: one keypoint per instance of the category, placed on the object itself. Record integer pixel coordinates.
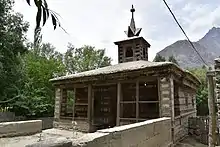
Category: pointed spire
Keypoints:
(132, 31)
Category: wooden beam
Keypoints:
(137, 100)
(118, 103)
(89, 110)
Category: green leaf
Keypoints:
(38, 3)
(54, 21)
(44, 16)
(28, 1)
(38, 18)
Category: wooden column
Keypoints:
(89, 111)
(159, 96)
(171, 81)
(137, 101)
(118, 103)
(57, 104)
(63, 102)
(74, 102)
(212, 113)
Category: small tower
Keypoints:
(133, 48)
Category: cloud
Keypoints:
(99, 23)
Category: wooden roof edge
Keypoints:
(132, 38)
(188, 75)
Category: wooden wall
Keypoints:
(140, 51)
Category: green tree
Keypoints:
(37, 95)
(159, 58)
(12, 38)
(202, 93)
(172, 59)
(85, 58)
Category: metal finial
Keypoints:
(132, 9)
(132, 30)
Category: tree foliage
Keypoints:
(159, 58)
(37, 95)
(41, 64)
(85, 58)
(12, 39)
(173, 60)
(202, 93)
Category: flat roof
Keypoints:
(117, 68)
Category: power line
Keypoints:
(184, 33)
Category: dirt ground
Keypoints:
(55, 134)
(189, 142)
(45, 135)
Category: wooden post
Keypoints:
(89, 111)
(159, 95)
(92, 107)
(172, 107)
(212, 113)
(137, 101)
(118, 103)
(63, 101)
(74, 102)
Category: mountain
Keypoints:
(208, 47)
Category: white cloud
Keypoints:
(99, 23)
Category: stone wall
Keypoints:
(9, 129)
(165, 96)
(152, 133)
(57, 104)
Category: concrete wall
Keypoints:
(7, 116)
(9, 129)
(151, 133)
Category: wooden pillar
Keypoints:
(74, 102)
(159, 96)
(118, 103)
(212, 113)
(172, 107)
(137, 101)
(89, 111)
(63, 102)
(57, 110)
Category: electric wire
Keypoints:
(185, 33)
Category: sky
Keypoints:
(99, 23)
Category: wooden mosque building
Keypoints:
(131, 91)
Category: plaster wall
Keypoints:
(151, 133)
(10, 129)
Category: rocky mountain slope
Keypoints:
(208, 47)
